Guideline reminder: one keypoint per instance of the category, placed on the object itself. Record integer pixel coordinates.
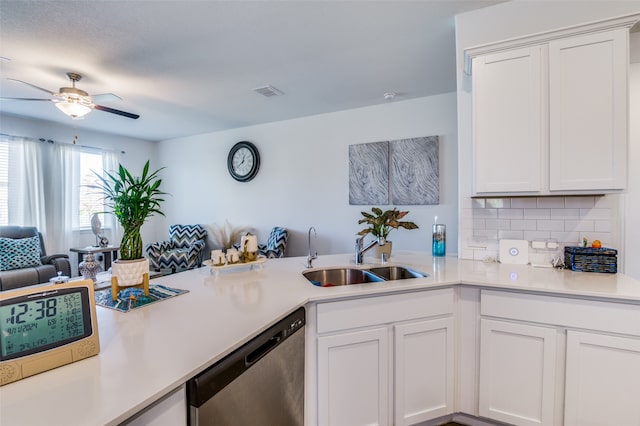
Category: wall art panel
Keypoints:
(369, 173)
(413, 173)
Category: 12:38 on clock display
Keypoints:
(44, 327)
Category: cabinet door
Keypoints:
(602, 380)
(517, 373)
(507, 126)
(588, 111)
(353, 378)
(424, 373)
(170, 410)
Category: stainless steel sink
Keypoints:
(329, 277)
(397, 272)
(340, 276)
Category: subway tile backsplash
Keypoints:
(565, 220)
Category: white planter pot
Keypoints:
(386, 249)
(129, 272)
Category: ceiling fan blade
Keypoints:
(33, 85)
(105, 97)
(24, 99)
(116, 111)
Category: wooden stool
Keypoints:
(115, 288)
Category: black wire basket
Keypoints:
(589, 259)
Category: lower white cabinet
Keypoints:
(170, 410)
(423, 370)
(548, 360)
(385, 360)
(517, 372)
(353, 378)
(602, 380)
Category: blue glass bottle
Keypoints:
(439, 243)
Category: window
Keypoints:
(89, 199)
(47, 185)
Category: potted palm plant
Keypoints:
(382, 222)
(132, 200)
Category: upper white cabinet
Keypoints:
(550, 113)
(507, 101)
(588, 111)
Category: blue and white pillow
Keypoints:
(19, 253)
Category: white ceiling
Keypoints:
(189, 67)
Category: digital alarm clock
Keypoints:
(45, 327)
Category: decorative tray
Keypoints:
(259, 261)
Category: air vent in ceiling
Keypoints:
(268, 91)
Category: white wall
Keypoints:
(303, 177)
(137, 151)
(632, 225)
(600, 216)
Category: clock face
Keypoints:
(243, 161)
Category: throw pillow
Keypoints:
(20, 253)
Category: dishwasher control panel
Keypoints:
(293, 327)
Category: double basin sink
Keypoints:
(330, 277)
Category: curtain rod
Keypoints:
(51, 141)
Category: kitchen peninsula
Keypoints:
(151, 352)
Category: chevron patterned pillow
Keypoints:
(19, 253)
(186, 235)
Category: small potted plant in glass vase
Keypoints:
(381, 223)
(132, 200)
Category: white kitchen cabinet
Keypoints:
(353, 378)
(507, 128)
(385, 360)
(171, 410)
(602, 380)
(550, 114)
(423, 370)
(558, 360)
(588, 91)
(517, 372)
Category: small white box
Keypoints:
(514, 252)
(538, 244)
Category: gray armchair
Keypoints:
(50, 265)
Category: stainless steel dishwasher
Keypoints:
(260, 383)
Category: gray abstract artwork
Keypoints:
(369, 173)
(413, 173)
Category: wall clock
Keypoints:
(243, 161)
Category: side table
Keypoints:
(109, 252)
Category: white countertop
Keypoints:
(151, 351)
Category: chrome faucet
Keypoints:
(310, 257)
(360, 250)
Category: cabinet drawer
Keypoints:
(610, 317)
(347, 314)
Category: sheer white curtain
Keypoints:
(64, 189)
(43, 190)
(26, 192)
(67, 181)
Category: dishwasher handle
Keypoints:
(264, 349)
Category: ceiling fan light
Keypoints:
(73, 109)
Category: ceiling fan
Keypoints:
(74, 102)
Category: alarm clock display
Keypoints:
(46, 327)
(29, 326)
